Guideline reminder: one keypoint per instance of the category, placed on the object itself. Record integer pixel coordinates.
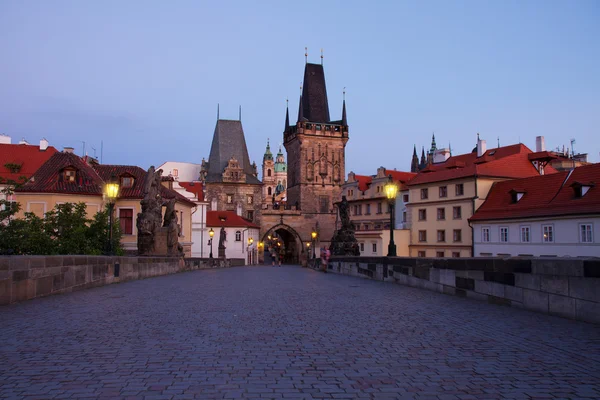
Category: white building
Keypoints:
(238, 231)
(547, 215)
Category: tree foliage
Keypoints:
(63, 230)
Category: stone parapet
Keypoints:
(566, 287)
(27, 277)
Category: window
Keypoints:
(457, 235)
(389, 209)
(126, 220)
(362, 247)
(459, 189)
(441, 235)
(368, 211)
(379, 208)
(443, 191)
(374, 247)
(504, 234)
(441, 213)
(586, 234)
(359, 209)
(126, 181)
(485, 235)
(268, 172)
(405, 198)
(249, 199)
(269, 191)
(439, 254)
(403, 216)
(516, 196)
(457, 212)
(524, 234)
(175, 172)
(548, 233)
(424, 194)
(251, 215)
(324, 203)
(422, 214)
(70, 175)
(422, 236)
(456, 254)
(421, 254)
(377, 189)
(238, 236)
(229, 199)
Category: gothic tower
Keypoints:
(414, 165)
(315, 147)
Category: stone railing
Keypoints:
(567, 287)
(27, 277)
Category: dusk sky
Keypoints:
(144, 77)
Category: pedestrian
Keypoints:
(273, 255)
(281, 254)
(323, 259)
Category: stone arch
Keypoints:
(292, 242)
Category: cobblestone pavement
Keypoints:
(263, 332)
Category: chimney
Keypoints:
(23, 141)
(5, 139)
(43, 144)
(68, 150)
(481, 147)
(540, 144)
(441, 155)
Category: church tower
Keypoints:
(315, 147)
(268, 175)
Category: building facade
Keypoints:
(549, 215)
(446, 194)
(237, 232)
(274, 177)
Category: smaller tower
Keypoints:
(268, 175)
(431, 150)
(423, 162)
(414, 165)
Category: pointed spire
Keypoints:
(287, 116)
(300, 110)
(344, 119)
(268, 155)
(433, 145)
(415, 151)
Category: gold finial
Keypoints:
(306, 55)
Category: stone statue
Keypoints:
(173, 230)
(344, 242)
(222, 238)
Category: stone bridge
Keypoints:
(288, 333)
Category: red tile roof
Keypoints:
(89, 180)
(503, 162)
(364, 182)
(227, 219)
(29, 157)
(401, 177)
(195, 188)
(544, 196)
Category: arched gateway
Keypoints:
(288, 238)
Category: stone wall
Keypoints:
(559, 286)
(27, 277)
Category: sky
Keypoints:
(141, 79)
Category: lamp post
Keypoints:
(112, 192)
(313, 235)
(391, 190)
(250, 241)
(211, 233)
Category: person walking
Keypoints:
(324, 259)
(281, 254)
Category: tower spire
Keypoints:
(287, 115)
(344, 119)
(300, 110)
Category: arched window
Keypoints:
(268, 172)
(269, 191)
(238, 236)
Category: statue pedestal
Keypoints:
(160, 243)
(221, 252)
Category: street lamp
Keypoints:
(313, 235)
(112, 192)
(391, 190)
(211, 233)
(250, 241)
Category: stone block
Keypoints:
(58, 282)
(587, 311)
(37, 262)
(476, 296)
(69, 278)
(476, 275)
(562, 306)
(4, 263)
(563, 267)
(20, 276)
(43, 286)
(555, 284)
(448, 277)
(18, 263)
(528, 281)
(54, 261)
(513, 293)
(500, 301)
(435, 287)
(490, 288)
(465, 283)
(5, 274)
(535, 300)
(5, 289)
(434, 275)
(585, 288)
(591, 268)
(22, 290)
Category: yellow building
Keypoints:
(67, 178)
(446, 194)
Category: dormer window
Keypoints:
(126, 182)
(70, 175)
(516, 195)
(581, 189)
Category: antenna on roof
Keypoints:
(93, 148)
(240, 112)
(321, 56)
(83, 148)
(498, 141)
(306, 55)
(217, 111)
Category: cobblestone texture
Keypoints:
(288, 333)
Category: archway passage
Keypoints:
(284, 241)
